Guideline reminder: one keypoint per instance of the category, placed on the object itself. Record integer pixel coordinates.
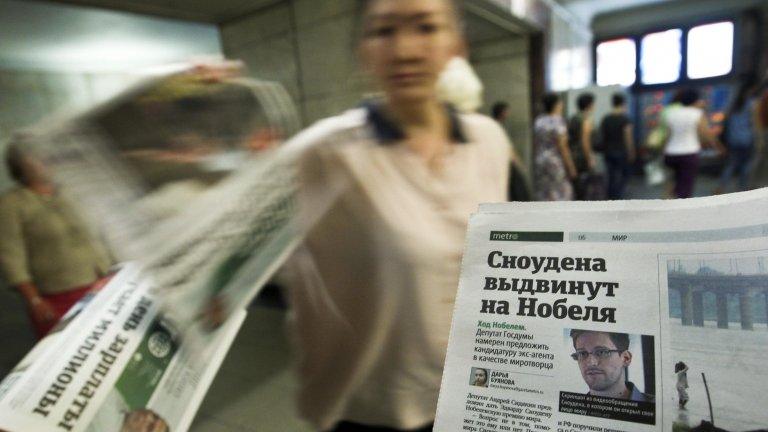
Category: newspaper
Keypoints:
(113, 364)
(628, 316)
(186, 175)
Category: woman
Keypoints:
(480, 377)
(46, 251)
(688, 129)
(373, 287)
(554, 167)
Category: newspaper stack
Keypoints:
(630, 316)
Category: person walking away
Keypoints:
(688, 132)
(618, 146)
(580, 141)
(553, 166)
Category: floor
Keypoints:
(259, 367)
(253, 389)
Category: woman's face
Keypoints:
(480, 376)
(33, 170)
(406, 44)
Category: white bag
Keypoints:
(654, 172)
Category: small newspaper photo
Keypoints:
(637, 316)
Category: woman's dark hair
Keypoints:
(618, 100)
(498, 109)
(14, 160)
(688, 96)
(585, 100)
(550, 100)
(363, 5)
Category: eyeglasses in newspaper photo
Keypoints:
(600, 354)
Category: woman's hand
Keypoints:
(214, 313)
(41, 310)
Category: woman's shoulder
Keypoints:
(486, 133)
(480, 122)
(12, 199)
(12, 194)
(682, 111)
(477, 124)
(340, 129)
(549, 119)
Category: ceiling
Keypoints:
(586, 10)
(72, 34)
(219, 11)
(159, 31)
(210, 11)
(39, 35)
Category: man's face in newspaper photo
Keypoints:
(601, 363)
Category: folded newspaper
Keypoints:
(185, 174)
(113, 364)
(623, 316)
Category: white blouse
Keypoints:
(373, 289)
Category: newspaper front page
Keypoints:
(113, 364)
(637, 316)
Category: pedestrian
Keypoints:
(554, 169)
(688, 131)
(743, 137)
(371, 291)
(47, 252)
(618, 145)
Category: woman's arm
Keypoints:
(758, 126)
(586, 143)
(629, 142)
(13, 262)
(706, 137)
(565, 153)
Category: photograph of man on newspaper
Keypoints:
(603, 359)
(718, 317)
(616, 376)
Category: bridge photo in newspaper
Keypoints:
(639, 316)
